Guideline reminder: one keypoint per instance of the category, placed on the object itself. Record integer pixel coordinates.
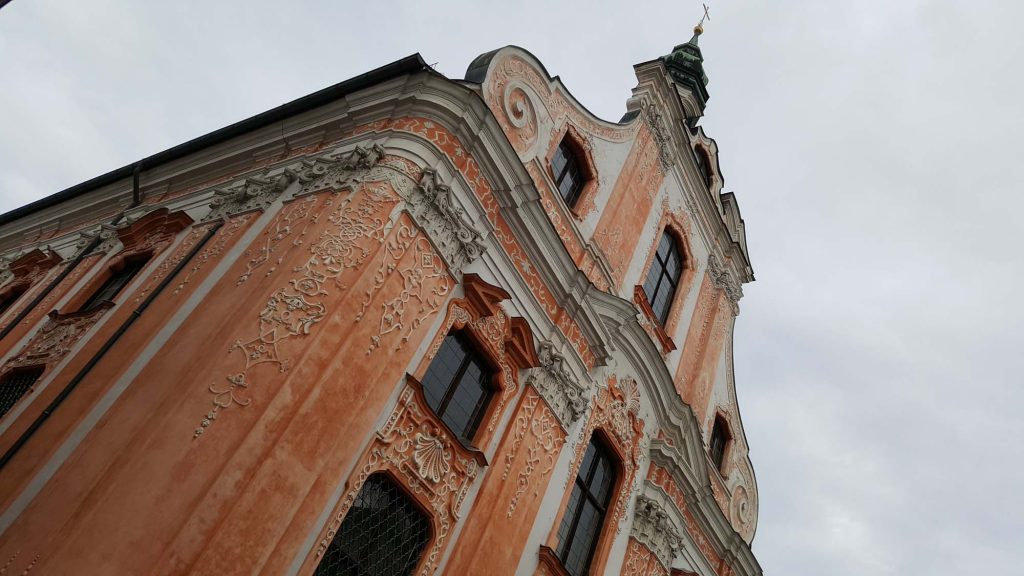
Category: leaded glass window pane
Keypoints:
(383, 534)
(15, 384)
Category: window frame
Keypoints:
(475, 353)
(676, 248)
(411, 500)
(573, 167)
(718, 442)
(607, 453)
(94, 302)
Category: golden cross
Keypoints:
(706, 16)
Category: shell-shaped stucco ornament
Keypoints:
(431, 458)
(632, 394)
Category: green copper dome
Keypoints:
(686, 66)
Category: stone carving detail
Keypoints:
(660, 131)
(542, 447)
(107, 235)
(431, 206)
(27, 267)
(149, 233)
(640, 561)
(408, 440)
(293, 309)
(502, 232)
(431, 458)
(724, 280)
(213, 249)
(662, 478)
(28, 569)
(425, 285)
(337, 171)
(653, 528)
(180, 253)
(558, 386)
(56, 337)
(254, 193)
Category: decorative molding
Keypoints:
(543, 446)
(640, 561)
(431, 206)
(425, 285)
(416, 448)
(214, 248)
(660, 132)
(298, 304)
(558, 386)
(253, 193)
(56, 337)
(723, 280)
(508, 342)
(336, 171)
(431, 457)
(616, 412)
(27, 267)
(653, 528)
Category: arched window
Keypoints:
(663, 276)
(588, 505)
(15, 384)
(457, 385)
(720, 437)
(569, 178)
(384, 534)
(114, 284)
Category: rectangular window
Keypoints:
(113, 285)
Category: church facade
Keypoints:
(404, 325)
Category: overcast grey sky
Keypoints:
(875, 149)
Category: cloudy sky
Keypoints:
(875, 149)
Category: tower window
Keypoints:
(113, 285)
(663, 277)
(15, 384)
(568, 177)
(719, 441)
(588, 504)
(384, 534)
(456, 385)
(704, 165)
(11, 297)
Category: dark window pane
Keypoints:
(383, 534)
(15, 385)
(719, 439)
(566, 171)
(663, 277)
(443, 370)
(456, 385)
(581, 523)
(114, 284)
(11, 298)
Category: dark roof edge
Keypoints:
(407, 65)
